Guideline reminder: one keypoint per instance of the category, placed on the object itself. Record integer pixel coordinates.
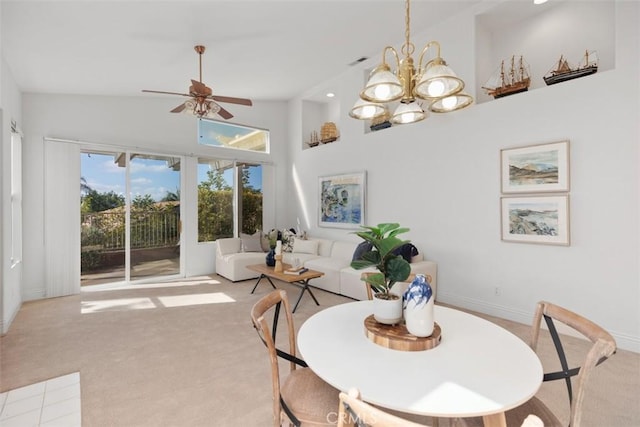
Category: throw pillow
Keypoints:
(287, 240)
(361, 249)
(264, 242)
(305, 246)
(407, 251)
(251, 242)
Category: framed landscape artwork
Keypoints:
(342, 200)
(536, 219)
(535, 168)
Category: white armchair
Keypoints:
(231, 261)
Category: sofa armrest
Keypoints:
(230, 245)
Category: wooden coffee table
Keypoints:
(297, 279)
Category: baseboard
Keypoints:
(486, 308)
(624, 341)
(33, 294)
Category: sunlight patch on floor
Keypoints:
(195, 299)
(169, 284)
(124, 304)
(121, 304)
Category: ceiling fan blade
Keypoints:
(179, 109)
(200, 87)
(166, 93)
(224, 114)
(232, 100)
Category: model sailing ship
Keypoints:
(562, 71)
(507, 82)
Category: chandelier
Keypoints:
(434, 83)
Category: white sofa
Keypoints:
(332, 257)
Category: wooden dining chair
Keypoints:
(603, 345)
(355, 412)
(299, 396)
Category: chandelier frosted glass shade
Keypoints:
(383, 86)
(366, 110)
(408, 113)
(434, 82)
(438, 81)
(451, 103)
(201, 108)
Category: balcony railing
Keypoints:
(105, 231)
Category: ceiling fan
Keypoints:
(203, 102)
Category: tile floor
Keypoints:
(51, 403)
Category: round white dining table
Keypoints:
(478, 369)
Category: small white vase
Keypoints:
(419, 318)
(387, 311)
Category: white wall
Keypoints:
(441, 178)
(144, 123)
(11, 278)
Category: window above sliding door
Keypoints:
(228, 135)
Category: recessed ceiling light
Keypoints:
(330, 95)
(539, 1)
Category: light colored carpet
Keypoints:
(187, 355)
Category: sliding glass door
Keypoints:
(154, 216)
(130, 217)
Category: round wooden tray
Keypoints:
(398, 338)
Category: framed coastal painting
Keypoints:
(535, 168)
(535, 219)
(342, 200)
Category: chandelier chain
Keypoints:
(407, 47)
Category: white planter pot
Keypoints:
(389, 311)
(419, 318)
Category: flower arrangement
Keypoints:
(286, 237)
(272, 236)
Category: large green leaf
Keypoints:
(359, 264)
(398, 231)
(386, 246)
(377, 282)
(398, 269)
(385, 228)
(373, 257)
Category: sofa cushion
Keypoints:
(361, 249)
(290, 257)
(324, 246)
(229, 245)
(264, 241)
(305, 246)
(343, 250)
(251, 242)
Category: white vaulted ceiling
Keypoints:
(269, 50)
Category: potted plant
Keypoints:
(391, 268)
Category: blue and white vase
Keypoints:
(418, 307)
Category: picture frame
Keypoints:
(341, 200)
(535, 219)
(535, 168)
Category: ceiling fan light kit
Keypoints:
(202, 102)
(435, 83)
